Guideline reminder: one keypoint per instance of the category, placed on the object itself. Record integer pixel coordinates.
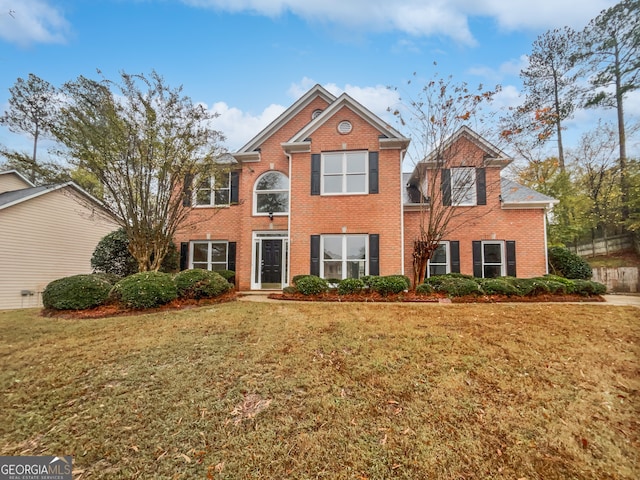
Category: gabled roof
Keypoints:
(389, 137)
(19, 175)
(249, 149)
(9, 199)
(494, 156)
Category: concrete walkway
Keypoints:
(614, 299)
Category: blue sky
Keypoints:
(250, 59)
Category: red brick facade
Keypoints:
(373, 225)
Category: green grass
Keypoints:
(339, 391)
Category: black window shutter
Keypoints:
(511, 258)
(373, 172)
(477, 258)
(231, 256)
(445, 186)
(184, 255)
(235, 177)
(314, 269)
(315, 174)
(186, 191)
(481, 186)
(374, 254)
(454, 250)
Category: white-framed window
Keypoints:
(440, 261)
(271, 194)
(345, 173)
(493, 259)
(209, 255)
(344, 256)
(463, 186)
(213, 191)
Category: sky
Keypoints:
(248, 60)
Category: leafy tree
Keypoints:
(434, 116)
(112, 256)
(140, 139)
(32, 111)
(549, 83)
(611, 49)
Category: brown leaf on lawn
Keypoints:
(251, 406)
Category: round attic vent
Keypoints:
(316, 113)
(344, 127)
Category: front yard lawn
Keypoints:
(245, 390)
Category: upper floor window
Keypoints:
(463, 186)
(214, 190)
(271, 194)
(344, 173)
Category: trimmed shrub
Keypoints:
(565, 263)
(350, 285)
(588, 287)
(145, 290)
(294, 280)
(387, 285)
(228, 275)
(77, 292)
(404, 278)
(553, 286)
(458, 286)
(528, 286)
(290, 289)
(424, 289)
(312, 285)
(107, 277)
(198, 283)
(497, 286)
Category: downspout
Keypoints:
(289, 223)
(546, 246)
(402, 154)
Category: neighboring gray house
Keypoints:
(46, 233)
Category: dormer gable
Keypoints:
(250, 152)
(389, 137)
(12, 180)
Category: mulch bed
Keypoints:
(118, 310)
(433, 298)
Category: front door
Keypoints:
(271, 273)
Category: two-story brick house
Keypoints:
(321, 190)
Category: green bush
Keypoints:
(198, 283)
(312, 285)
(77, 292)
(228, 275)
(424, 289)
(145, 290)
(565, 263)
(588, 287)
(457, 286)
(389, 284)
(290, 289)
(403, 278)
(528, 286)
(554, 286)
(112, 256)
(497, 286)
(350, 285)
(294, 280)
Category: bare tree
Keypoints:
(141, 139)
(435, 117)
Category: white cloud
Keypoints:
(31, 21)
(423, 18)
(239, 127)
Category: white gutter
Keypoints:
(402, 154)
(546, 246)
(289, 223)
